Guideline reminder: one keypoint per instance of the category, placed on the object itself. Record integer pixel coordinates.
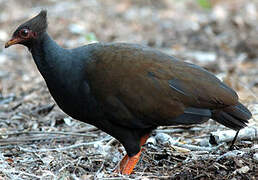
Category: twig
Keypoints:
(111, 141)
(197, 148)
(117, 178)
(248, 133)
(20, 173)
(200, 176)
(64, 148)
(16, 106)
(7, 146)
(99, 170)
(202, 157)
(64, 167)
(49, 132)
(30, 175)
(165, 138)
(86, 129)
(170, 130)
(29, 139)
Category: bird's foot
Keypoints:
(127, 164)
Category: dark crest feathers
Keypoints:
(37, 24)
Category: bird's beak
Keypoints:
(13, 41)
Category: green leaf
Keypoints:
(90, 37)
(206, 4)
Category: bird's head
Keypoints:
(29, 31)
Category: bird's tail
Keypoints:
(234, 117)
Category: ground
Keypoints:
(38, 141)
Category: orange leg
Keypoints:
(122, 164)
(144, 139)
(127, 164)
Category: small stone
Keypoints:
(163, 138)
(203, 57)
(68, 121)
(151, 140)
(219, 13)
(76, 28)
(3, 58)
(255, 147)
(47, 160)
(204, 143)
(242, 170)
(87, 177)
(3, 35)
(255, 157)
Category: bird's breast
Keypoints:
(75, 99)
(66, 95)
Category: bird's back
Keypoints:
(142, 86)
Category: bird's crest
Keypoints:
(37, 24)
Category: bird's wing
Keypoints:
(134, 81)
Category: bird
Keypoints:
(128, 90)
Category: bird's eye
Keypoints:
(24, 33)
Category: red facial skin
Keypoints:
(23, 35)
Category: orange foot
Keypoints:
(127, 164)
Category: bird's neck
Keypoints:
(47, 54)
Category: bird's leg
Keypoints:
(234, 140)
(144, 139)
(127, 164)
(122, 164)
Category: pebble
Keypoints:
(242, 170)
(151, 140)
(3, 35)
(204, 143)
(163, 138)
(255, 157)
(203, 57)
(3, 58)
(255, 147)
(68, 121)
(219, 13)
(76, 28)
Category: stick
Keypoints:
(29, 139)
(65, 148)
(248, 133)
(165, 138)
(47, 132)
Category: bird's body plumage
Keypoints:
(127, 90)
(128, 86)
